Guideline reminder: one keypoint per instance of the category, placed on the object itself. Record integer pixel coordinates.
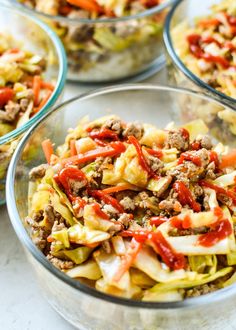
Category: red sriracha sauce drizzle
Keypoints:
(191, 157)
(214, 158)
(142, 160)
(179, 223)
(104, 133)
(184, 133)
(6, 94)
(99, 212)
(70, 173)
(172, 259)
(218, 190)
(185, 196)
(157, 220)
(107, 199)
(195, 41)
(221, 229)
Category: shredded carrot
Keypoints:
(43, 102)
(36, 89)
(47, 149)
(208, 23)
(115, 189)
(50, 239)
(228, 160)
(73, 151)
(128, 259)
(89, 5)
(47, 85)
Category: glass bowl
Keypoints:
(38, 38)
(178, 73)
(109, 49)
(83, 306)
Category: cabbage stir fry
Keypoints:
(208, 48)
(112, 49)
(136, 211)
(23, 92)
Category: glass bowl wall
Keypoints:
(81, 305)
(38, 38)
(109, 49)
(178, 73)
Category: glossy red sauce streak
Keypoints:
(221, 229)
(99, 212)
(218, 190)
(195, 145)
(140, 235)
(104, 133)
(172, 259)
(69, 173)
(107, 199)
(184, 133)
(6, 94)
(214, 158)
(180, 223)
(195, 41)
(142, 160)
(157, 220)
(185, 196)
(191, 157)
(155, 153)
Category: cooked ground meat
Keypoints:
(197, 191)
(170, 206)
(205, 142)
(80, 33)
(110, 210)
(11, 111)
(127, 203)
(201, 290)
(175, 139)
(186, 172)
(38, 233)
(203, 154)
(49, 214)
(60, 264)
(114, 125)
(76, 185)
(58, 226)
(210, 171)
(125, 219)
(38, 172)
(134, 129)
(225, 200)
(155, 163)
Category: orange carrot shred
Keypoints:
(47, 149)
(73, 151)
(36, 89)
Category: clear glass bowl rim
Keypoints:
(67, 20)
(38, 255)
(62, 59)
(177, 61)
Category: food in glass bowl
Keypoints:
(32, 76)
(23, 91)
(106, 40)
(136, 211)
(208, 47)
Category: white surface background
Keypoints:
(22, 306)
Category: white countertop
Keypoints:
(22, 306)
